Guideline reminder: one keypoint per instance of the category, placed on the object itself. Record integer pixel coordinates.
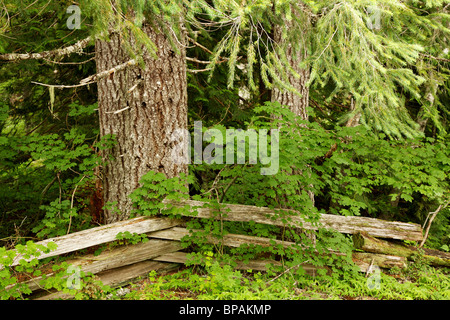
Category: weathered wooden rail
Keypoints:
(120, 264)
(344, 224)
(103, 234)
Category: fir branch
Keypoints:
(433, 57)
(76, 48)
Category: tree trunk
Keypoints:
(142, 118)
(297, 103)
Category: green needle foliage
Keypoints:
(378, 52)
(384, 62)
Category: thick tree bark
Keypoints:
(297, 103)
(142, 108)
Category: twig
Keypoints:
(48, 187)
(176, 38)
(62, 86)
(15, 237)
(369, 269)
(336, 6)
(106, 73)
(433, 215)
(226, 188)
(199, 45)
(69, 63)
(287, 270)
(326, 47)
(118, 111)
(433, 57)
(134, 86)
(71, 203)
(216, 180)
(198, 71)
(197, 61)
(60, 188)
(92, 79)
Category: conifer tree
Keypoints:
(383, 54)
(142, 105)
(378, 52)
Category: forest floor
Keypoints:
(223, 283)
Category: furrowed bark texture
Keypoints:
(143, 117)
(297, 104)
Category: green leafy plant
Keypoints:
(131, 238)
(11, 289)
(63, 277)
(220, 281)
(155, 187)
(56, 220)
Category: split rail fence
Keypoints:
(123, 264)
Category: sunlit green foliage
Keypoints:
(386, 61)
